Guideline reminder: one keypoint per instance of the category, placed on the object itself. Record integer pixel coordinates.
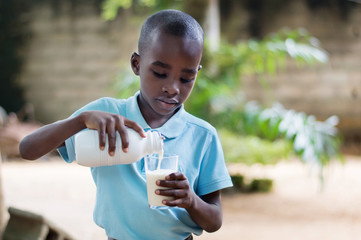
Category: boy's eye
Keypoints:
(186, 80)
(159, 75)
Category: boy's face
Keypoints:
(168, 69)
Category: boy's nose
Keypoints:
(171, 87)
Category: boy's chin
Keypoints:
(169, 110)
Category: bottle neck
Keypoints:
(155, 144)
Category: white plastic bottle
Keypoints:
(88, 153)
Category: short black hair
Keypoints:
(171, 22)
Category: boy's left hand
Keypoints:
(179, 189)
(206, 210)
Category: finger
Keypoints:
(181, 199)
(173, 203)
(123, 134)
(176, 193)
(176, 176)
(177, 184)
(101, 135)
(135, 126)
(111, 136)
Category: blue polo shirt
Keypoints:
(121, 197)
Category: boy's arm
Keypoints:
(49, 137)
(52, 136)
(206, 211)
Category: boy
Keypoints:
(170, 50)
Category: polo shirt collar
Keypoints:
(171, 129)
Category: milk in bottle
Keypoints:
(88, 153)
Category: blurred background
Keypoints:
(281, 82)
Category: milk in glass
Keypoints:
(152, 177)
(157, 168)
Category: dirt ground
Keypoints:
(295, 209)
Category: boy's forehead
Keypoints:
(172, 51)
(161, 41)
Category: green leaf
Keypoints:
(110, 8)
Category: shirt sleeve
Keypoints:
(213, 173)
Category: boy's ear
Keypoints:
(134, 62)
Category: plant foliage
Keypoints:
(217, 96)
(110, 8)
(315, 142)
(223, 70)
(252, 149)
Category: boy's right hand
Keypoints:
(108, 123)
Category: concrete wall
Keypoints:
(73, 56)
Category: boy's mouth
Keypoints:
(167, 102)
